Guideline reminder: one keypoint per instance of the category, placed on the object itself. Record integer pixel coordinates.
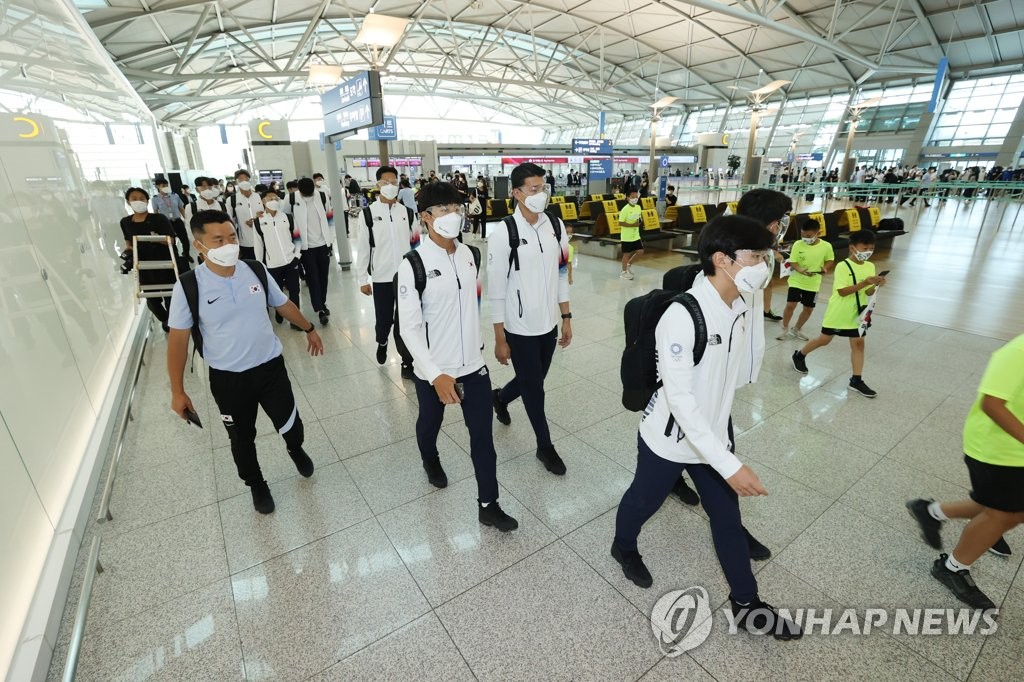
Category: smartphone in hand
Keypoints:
(883, 273)
(192, 418)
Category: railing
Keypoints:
(74, 648)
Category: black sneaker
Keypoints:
(407, 372)
(302, 462)
(494, 515)
(799, 362)
(552, 462)
(262, 500)
(501, 409)
(862, 388)
(435, 473)
(760, 618)
(633, 567)
(685, 493)
(278, 318)
(323, 318)
(961, 584)
(327, 310)
(382, 353)
(1001, 548)
(929, 525)
(769, 315)
(758, 552)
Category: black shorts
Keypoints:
(849, 333)
(800, 296)
(630, 247)
(996, 486)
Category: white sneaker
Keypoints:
(800, 335)
(785, 334)
(625, 274)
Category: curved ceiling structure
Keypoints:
(558, 61)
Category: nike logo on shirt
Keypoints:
(213, 301)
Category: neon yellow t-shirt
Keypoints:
(842, 311)
(628, 214)
(572, 252)
(984, 440)
(810, 257)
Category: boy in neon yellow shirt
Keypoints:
(629, 221)
(994, 454)
(809, 259)
(855, 282)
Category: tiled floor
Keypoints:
(367, 572)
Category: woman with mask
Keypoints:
(143, 223)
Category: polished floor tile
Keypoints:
(448, 550)
(194, 637)
(510, 441)
(495, 625)
(302, 612)
(307, 510)
(150, 494)
(371, 428)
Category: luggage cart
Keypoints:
(162, 290)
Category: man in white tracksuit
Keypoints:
(275, 248)
(685, 425)
(528, 287)
(387, 232)
(439, 320)
(309, 214)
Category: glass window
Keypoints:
(999, 130)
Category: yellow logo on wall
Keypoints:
(263, 133)
(725, 139)
(33, 130)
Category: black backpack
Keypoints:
(513, 238)
(681, 278)
(639, 367)
(419, 276)
(368, 219)
(323, 200)
(190, 286)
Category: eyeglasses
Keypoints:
(440, 211)
(752, 257)
(536, 189)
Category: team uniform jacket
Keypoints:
(687, 419)
(276, 249)
(393, 237)
(242, 208)
(442, 332)
(526, 301)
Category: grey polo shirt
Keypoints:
(237, 334)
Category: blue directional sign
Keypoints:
(664, 162)
(386, 131)
(354, 104)
(599, 169)
(589, 147)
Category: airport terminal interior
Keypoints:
(732, 136)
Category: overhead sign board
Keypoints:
(592, 147)
(353, 105)
(386, 131)
(599, 169)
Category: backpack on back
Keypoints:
(681, 278)
(190, 286)
(514, 241)
(638, 369)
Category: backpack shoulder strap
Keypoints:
(513, 242)
(291, 199)
(234, 201)
(700, 326)
(846, 261)
(556, 223)
(260, 271)
(476, 256)
(323, 199)
(368, 219)
(190, 286)
(419, 273)
(412, 217)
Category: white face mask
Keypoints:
(272, 205)
(448, 226)
(389, 191)
(245, 185)
(537, 202)
(862, 255)
(164, 189)
(139, 206)
(208, 194)
(809, 240)
(319, 183)
(632, 202)
(226, 255)
(752, 278)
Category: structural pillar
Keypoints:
(338, 205)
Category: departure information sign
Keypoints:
(353, 105)
(592, 147)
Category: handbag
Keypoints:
(474, 207)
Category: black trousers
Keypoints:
(238, 394)
(317, 263)
(160, 308)
(384, 309)
(182, 234)
(652, 484)
(287, 277)
(531, 358)
(479, 414)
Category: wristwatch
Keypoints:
(312, 328)
(567, 316)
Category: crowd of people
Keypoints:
(256, 242)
